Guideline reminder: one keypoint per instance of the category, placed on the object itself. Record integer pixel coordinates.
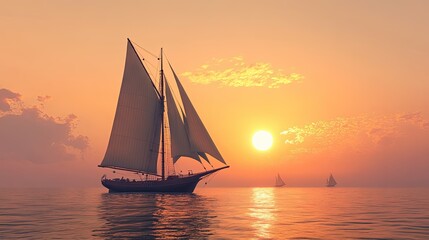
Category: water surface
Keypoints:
(216, 213)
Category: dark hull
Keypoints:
(178, 184)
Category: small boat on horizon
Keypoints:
(279, 181)
(137, 142)
(330, 182)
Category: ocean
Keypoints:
(216, 213)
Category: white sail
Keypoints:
(180, 143)
(135, 137)
(279, 181)
(199, 137)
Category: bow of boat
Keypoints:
(206, 173)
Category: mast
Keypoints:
(162, 121)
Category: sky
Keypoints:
(341, 85)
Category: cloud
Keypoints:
(43, 98)
(235, 72)
(8, 98)
(352, 131)
(29, 134)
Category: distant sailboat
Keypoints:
(330, 182)
(137, 141)
(279, 181)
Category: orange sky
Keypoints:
(345, 82)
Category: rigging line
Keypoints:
(153, 55)
(151, 64)
(210, 178)
(148, 65)
(169, 159)
(203, 166)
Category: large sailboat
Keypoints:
(137, 142)
(279, 181)
(330, 182)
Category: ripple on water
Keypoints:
(216, 213)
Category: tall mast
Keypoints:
(162, 121)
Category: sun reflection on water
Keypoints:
(262, 211)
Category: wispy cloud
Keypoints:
(27, 133)
(235, 72)
(375, 130)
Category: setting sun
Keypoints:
(262, 140)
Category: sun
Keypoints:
(262, 140)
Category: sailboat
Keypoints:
(330, 182)
(279, 181)
(137, 141)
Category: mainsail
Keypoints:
(135, 138)
(200, 140)
(279, 181)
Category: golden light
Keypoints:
(263, 211)
(262, 140)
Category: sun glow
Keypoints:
(262, 140)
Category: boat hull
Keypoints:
(185, 184)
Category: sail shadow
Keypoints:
(154, 216)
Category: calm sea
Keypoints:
(216, 213)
